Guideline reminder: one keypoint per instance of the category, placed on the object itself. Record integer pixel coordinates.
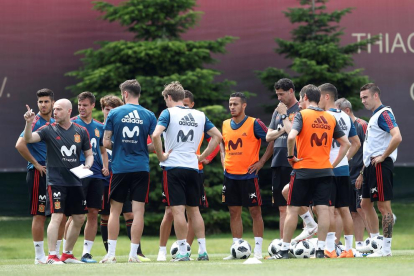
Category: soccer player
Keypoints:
(380, 152)
(35, 155)
(183, 129)
(64, 142)
(242, 137)
(314, 130)
(108, 103)
(93, 185)
(278, 130)
(341, 192)
(355, 167)
(166, 223)
(129, 125)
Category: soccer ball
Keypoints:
(174, 250)
(274, 247)
(241, 249)
(376, 243)
(304, 249)
(367, 246)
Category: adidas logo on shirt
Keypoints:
(321, 122)
(132, 117)
(342, 124)
(188, 120)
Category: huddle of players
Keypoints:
(128, 130)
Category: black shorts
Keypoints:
(356, 197)
(93, 189)
(280, 177)
(316, 191)
(37, 192)
(181, 187)
(241, 192)
(135, 183)
(106, 205)
(341, 192)
(378, 181)
(68, 200)
(203, 196)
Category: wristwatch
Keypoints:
(361, 172)
(284, 116)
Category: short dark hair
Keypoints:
(189, 95)
(372, 87)
(175, 90)
(330, 89)
(284, 84)
(45, 92)
(87, 95)
(131, 86)
(239, 95)
(312, 92)
(110, 100)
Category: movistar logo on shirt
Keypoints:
(188, 120)
(68, 152)
(132, 117)
(321, 122)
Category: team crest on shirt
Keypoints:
(97, 134)
(57, 205)
(292, 116)
(41, 208)
(77, 138)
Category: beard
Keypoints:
(45, 112)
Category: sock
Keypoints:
(321, 245)
(330, 241)
(128, 224)
(359, 244)
(111, 247)
(285, 246)
(58, 242)
(201, 246)
(258, 245)
(69, 252)
(373, 235)
(64, 244)
(134, 249)
(235, 240)
(104, 233)
(182, 247)
(51, 253)
(349, 240)
(139, 251)
(308, 219)
(39, 251)
(163, 249)
(87, 247)
(386, 246)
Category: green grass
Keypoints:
(16, 255)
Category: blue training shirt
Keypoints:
(260, 131)
(38, 150)
(130, 125)
(95, 130)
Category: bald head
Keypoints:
(62, 110)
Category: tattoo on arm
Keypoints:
(387, 224)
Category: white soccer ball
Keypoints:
(241, 249)
(274, 247)
(376, 243)
(304, 249)
(174, 249)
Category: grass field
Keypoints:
(16, 256)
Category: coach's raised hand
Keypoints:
(29, 115)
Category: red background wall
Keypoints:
(38, 40)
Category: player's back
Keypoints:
(345, 123)
(315, 139)
(183, 135)
(130, 125)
